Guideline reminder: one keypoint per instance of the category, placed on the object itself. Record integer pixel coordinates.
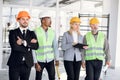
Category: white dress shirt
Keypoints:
(75, 36)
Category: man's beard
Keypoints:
(94, 31)
(24, 25)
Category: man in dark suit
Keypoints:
(22, 41)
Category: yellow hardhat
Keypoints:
(94, 21)
(75, 19)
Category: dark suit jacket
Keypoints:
(20, 51)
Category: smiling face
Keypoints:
(24, 21)
(75, 26)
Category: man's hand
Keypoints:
(56, 63)
(19, 41)
(83, 64)
(37, 67)
(108, 63)
(33, 41)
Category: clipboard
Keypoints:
(79, 45)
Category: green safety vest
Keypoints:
(95, 47)
(45, 50)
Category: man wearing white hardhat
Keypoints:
(47, 52)
(45, 14)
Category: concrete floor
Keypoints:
(112, 74)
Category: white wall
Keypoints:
(112, 7)
(106, 6)
(1, 1)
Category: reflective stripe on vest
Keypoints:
(95, 50)
(45, 50)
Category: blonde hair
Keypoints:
(71, 30)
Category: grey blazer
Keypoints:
(69, 50)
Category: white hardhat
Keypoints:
(45, 14)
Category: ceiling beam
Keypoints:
(98, 4)
(94, 0)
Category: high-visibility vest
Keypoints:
(95, 47)
(45, 51)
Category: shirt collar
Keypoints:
(21, 29)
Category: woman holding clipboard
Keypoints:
(72, 55)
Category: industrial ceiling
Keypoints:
(43, 3)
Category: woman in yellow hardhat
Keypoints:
(98, 48)
(72, 56)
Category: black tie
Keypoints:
(24, 34)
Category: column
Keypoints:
(114, 35)
(1, 54)
(57, 24)
(112, 7)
